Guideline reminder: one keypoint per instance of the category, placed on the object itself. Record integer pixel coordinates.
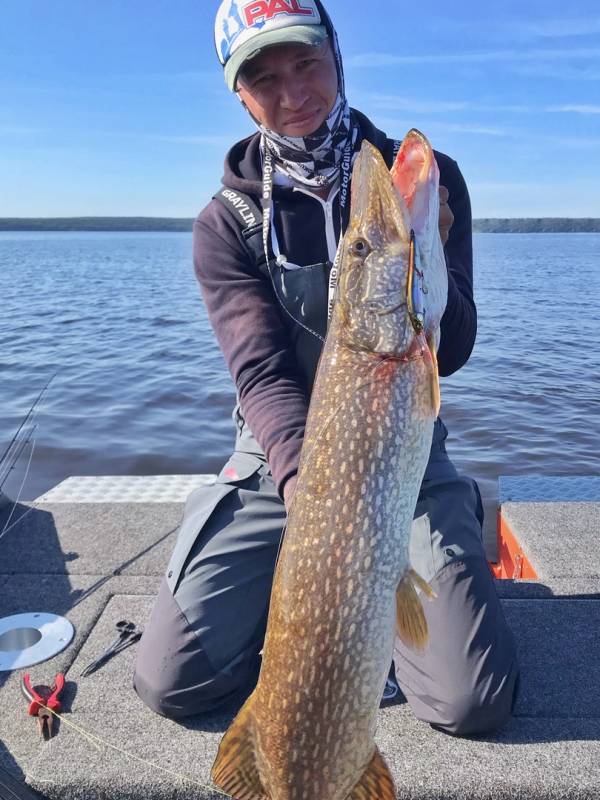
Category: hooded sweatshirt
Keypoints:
(251, 327)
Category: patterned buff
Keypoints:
(314, 160)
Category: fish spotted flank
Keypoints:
(343, 582)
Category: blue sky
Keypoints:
(118, 107)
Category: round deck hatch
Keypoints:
(27, 639)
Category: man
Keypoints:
(263, 249)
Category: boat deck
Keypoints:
(94, 550)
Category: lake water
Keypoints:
(141, 387)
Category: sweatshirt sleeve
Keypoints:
(254, 340)
(459, 323)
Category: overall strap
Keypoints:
(248, 216)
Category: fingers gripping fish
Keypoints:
(343, 583)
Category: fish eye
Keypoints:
(360, 248)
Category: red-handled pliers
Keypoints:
(42, 701)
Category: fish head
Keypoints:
(371, 303)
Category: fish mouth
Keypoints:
(415, 175)
(375, 201)
(412, 164)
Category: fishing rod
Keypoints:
(6, 529)
(20, 446)
(14, 450)
(25, 420)
(8, 463)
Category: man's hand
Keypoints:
(288, 491)
(446, 216)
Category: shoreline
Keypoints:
(184, 225)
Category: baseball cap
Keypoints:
(245, 27)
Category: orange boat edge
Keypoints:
(512, 562)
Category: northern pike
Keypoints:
(343, 584)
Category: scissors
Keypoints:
(128, 634)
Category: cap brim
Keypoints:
(296, 34)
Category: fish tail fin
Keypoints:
(436, 398)
(235, 770)
(411, 622)
(376, 782)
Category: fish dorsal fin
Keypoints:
(410, 617)
(376, 782)
(235, 770)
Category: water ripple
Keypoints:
(142, 387)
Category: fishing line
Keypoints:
(9, 462)
(25, 420)
(14, 525)
(19, 447)
(6, 788)
(97, 740)
(16, 503)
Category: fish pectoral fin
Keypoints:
(376, 782)
(436, 397)
(235, 770)
(410, 617)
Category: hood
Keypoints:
(243, 171)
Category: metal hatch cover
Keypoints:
(27, 639)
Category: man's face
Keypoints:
(290, 88)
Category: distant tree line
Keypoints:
(114, 224)
(133, 224)
(537, 225)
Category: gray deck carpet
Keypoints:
(561, 539)
(97, 563)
